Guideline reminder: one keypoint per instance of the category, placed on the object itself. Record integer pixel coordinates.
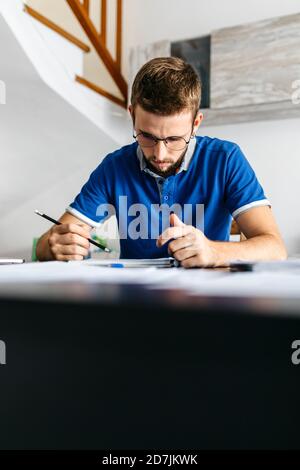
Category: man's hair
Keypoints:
(166, 86)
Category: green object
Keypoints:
(101, 241)
(33, 253)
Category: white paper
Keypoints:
(193, 281)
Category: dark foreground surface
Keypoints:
(121, 367)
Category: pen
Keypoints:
(59, 223)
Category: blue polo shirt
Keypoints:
(214, 183)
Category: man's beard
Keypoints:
(171, 170)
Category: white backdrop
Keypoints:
(48, 148)
(273, 148)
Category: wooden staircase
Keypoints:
(81, 11)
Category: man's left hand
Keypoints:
(188, 245)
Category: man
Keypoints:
(169, 168)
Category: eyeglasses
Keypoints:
(172, 143)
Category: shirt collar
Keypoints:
(184, 165)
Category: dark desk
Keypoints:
(116, 366)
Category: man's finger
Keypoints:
(172, 232)
(185, 253)
(192, 262)
(73, 239)
(75, 250)
(180, 243)
(84, 231)
(175, 221)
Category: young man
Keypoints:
(170, 171)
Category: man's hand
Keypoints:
(69, 242)
(189, 245)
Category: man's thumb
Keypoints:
(175, 221)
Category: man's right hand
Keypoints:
(69, 241)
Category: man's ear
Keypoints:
(131, 111)
(197, 121)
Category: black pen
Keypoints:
(59, 223)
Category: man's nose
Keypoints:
(160, 150)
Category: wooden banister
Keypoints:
(86, 5)
(98, 44)
(81, 10)
(50, 24)
(103, 21)
(100, 90)
(119, 33)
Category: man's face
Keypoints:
(160, 159)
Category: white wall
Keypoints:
(273, 148)
(48, 150)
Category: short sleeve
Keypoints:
(242, 188)
(90, 204)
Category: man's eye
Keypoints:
(174, 139)
(147, 136)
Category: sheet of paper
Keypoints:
(11, 261)
(61, 271)
(257, 284)
(193, 281)
(132, 263)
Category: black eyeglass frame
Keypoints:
(157, 139)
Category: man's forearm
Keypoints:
(261, 248)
